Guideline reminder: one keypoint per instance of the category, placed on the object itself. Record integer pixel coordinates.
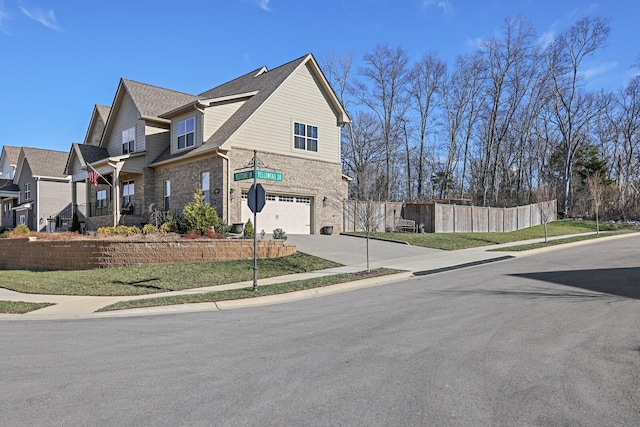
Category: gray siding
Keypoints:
(299, 99)
(156, 140)
(53, 197)
(198, 130)
(127, 117)
(217, 115)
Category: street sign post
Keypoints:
(259, 174)
(256, 198)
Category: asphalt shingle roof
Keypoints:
(50, 163)
(152, 101)
(8, 185)
(12, 154)
(260, 80)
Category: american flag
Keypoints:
(93, 178)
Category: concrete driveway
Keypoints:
(349, 250)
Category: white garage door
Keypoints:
(290, 213)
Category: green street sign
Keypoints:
(260, 174)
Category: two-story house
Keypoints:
(9, 191)
(159, 146)
(37, 191)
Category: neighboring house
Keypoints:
(9, 192)
(159, 146)
(38, 191)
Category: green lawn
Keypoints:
(154, 278)
(235, 294)
(455, 241)
(19, 307)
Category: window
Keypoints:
(271, 197)
(305, 200)
(23, 220)
(186, 133)
(128, 190)
(286, 199)
(129, 141)
(27, 191)
(6, 209)
(305, 137)
(101, 199)
(167, 195)
(204, 179)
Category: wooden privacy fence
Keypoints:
(445, 218)
(441, 218)
(380, 216)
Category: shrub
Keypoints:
(192, 235)
(222, 227)
(149, 229)
(168, 227)
(199, 215)
(279, 234)
(248, 230)
(21, 229)
(4, 234)
(75, 223)
(212, 234)
(121, 230)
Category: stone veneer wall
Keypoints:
(26, 254)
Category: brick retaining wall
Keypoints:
(25, 254)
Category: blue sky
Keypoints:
(60, 57)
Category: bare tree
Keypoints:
(543, 195)
(596, 190)
(383, 91)
(426, 84)
(574, 109)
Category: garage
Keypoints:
(290, 213)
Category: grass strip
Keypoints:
(555, 242)
(155, 278)
(19, 307)
(456, 241)
(275, 289)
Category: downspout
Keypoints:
(37, 218)
(226, 188)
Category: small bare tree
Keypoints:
(596, 190)
(369, 218)
(543, 195)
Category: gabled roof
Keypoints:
(42, 162)
(85, 154)
(7, 186)
(98, 118)
(261, 84)
(12, 154)
(151, 101)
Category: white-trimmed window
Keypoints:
(305, 137)
(204, 180)
(23, 220)
(27, 191)
(101, 199)
(166, 194)
(128, 191)
(186, 133)
(129, 140)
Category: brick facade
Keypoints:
(301, 177)
(17, 254)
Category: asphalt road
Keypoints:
(547, 339)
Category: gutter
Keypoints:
(228, 182)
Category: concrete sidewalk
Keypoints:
(75, 307)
